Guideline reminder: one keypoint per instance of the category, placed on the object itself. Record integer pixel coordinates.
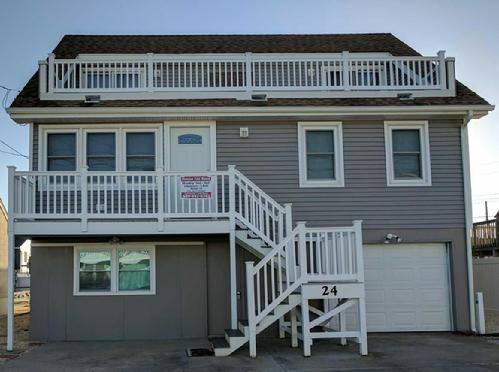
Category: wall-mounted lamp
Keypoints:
(392, 239)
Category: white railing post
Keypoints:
(51, 79)
(346, 69)
(11, 262)
(84, 198)
(451, 75)
(302, 251)
(42, 77)
(290, 254)
(160, 181)
(442, 72)
(250, 293)
(359, 249)
(249, 72)
(232, 245)
(150, 72)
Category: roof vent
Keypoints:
(259, 97)
(92, 100)
(405, 96)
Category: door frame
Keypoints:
(211, 124)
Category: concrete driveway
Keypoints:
(417, 351)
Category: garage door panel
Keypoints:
(407, 287)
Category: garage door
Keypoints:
(407, 287)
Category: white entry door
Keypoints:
(190, 149)
(407, 287)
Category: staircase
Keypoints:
(296, 266)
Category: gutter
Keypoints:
(468, 207)
(30, 114)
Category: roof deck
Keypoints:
(245, 76)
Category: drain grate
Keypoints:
(199, 352)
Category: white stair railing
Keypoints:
(266, 218)
(306, 255)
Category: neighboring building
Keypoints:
(3, 258)
(140, 227)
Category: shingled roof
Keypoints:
(72, 45)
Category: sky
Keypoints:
(467, 30)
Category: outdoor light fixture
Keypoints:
(405, 96)
(115, 240)
(92, 100)
(392, 239)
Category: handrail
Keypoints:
(238, 73)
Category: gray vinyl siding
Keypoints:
(269, 157)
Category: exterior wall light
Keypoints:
(392, 239)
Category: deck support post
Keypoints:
(362, 325)
(11, 262)
(232, 246)
(250, 292)
(294, 328)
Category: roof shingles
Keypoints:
(72, 45)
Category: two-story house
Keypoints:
(211, 185)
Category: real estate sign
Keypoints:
(196, 187)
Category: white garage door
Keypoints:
(407, 287)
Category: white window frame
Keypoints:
(336, 127)
(114, 268)
(158, 151)
(81, 131)
(424, 140)
(115, 131)
(43, 153)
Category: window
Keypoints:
(61, 151)
(125, 269)
(320, 154)
(101, 151)
(140, 151)
(111, 80)
(407, 153)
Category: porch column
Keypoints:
(232, 247)
(10, 267)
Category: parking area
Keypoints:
(416, 351)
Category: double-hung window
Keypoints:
(61, 151)
(140, 151)
(407, 153)
(112, 270)
(320, 154)
(101, 151)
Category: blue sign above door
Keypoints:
(190, 139)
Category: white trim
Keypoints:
(336, 127)
(27, 114)
(422, 126)
(114, 267)
(468, 210)
(211, 124)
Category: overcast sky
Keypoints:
(467, 30)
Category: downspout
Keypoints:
(468, 214)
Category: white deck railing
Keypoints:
(149, 195)
(229, 75)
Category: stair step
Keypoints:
(219, 343)
(234, 333)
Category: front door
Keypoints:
(192, 193)
(190, 149)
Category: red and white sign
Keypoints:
(196, 187)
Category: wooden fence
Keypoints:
(485, 238)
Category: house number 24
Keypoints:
(328, 290)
